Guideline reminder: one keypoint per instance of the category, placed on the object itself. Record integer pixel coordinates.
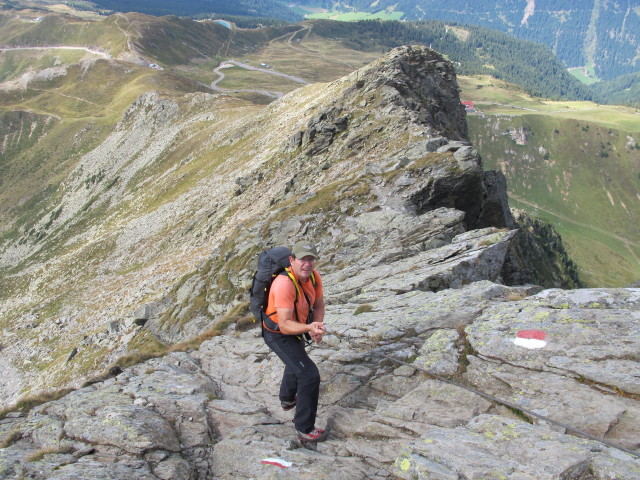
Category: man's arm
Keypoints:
(288, 326)
(318, 310)
(318, 316)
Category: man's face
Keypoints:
(303, 267)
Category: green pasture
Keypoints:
(238, 78)
(55, 30)
(312, 59)
(580, 175)
(494, 97)
(586, 75)
(15, 63)
(602, 259)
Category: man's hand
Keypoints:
(316, 330)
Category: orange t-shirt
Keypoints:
(283, 294)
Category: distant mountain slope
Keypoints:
(475, 50)
(179, 41)
(189, 51)
(624, 90)
(169, 39)
(600, 35)
(576, 166)
(589, 32)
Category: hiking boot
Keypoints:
(315, 435)
(288, 404)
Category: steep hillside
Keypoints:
(600, 35)
(624, 90)
(116, 185)
(174, 41)
(172, 182)
(261, 8)
(475, 50)
(574, 165)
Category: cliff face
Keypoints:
(154, 240)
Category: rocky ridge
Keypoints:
(214, 413)
(417, 243)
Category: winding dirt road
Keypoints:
(229, 63)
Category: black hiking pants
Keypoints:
(301, 377)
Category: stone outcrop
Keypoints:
(432, 290)
(214, 413)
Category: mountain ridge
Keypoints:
(108, 218)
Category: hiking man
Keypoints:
(296, 308)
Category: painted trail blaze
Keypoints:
(531, 339)
(278, 462)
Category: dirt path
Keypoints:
(124, 32)
(306, 50)
(228, 63)
(515, 107)
(68, 96)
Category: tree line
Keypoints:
(483, 52)
(563, 26)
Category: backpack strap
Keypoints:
(299, 288)
(272, 326)
(293, 278)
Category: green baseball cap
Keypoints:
(304, 249)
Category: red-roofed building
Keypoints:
(469, 106)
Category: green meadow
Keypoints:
(586, 75)
(574, 164)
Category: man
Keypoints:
(296, 308)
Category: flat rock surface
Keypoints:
(214, 413)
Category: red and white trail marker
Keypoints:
(531, 339)
(278, 462)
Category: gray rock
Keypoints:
(101, 471)
(133, 428)
(173, 467)
(588, 333)
(495, 447)
(432, 403)
(440, 354)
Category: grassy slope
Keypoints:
(48, 127)
(303, 54)
(64, 30)
(298, 51)
(66, 116)
(579, 170)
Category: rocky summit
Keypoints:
(457, 345)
